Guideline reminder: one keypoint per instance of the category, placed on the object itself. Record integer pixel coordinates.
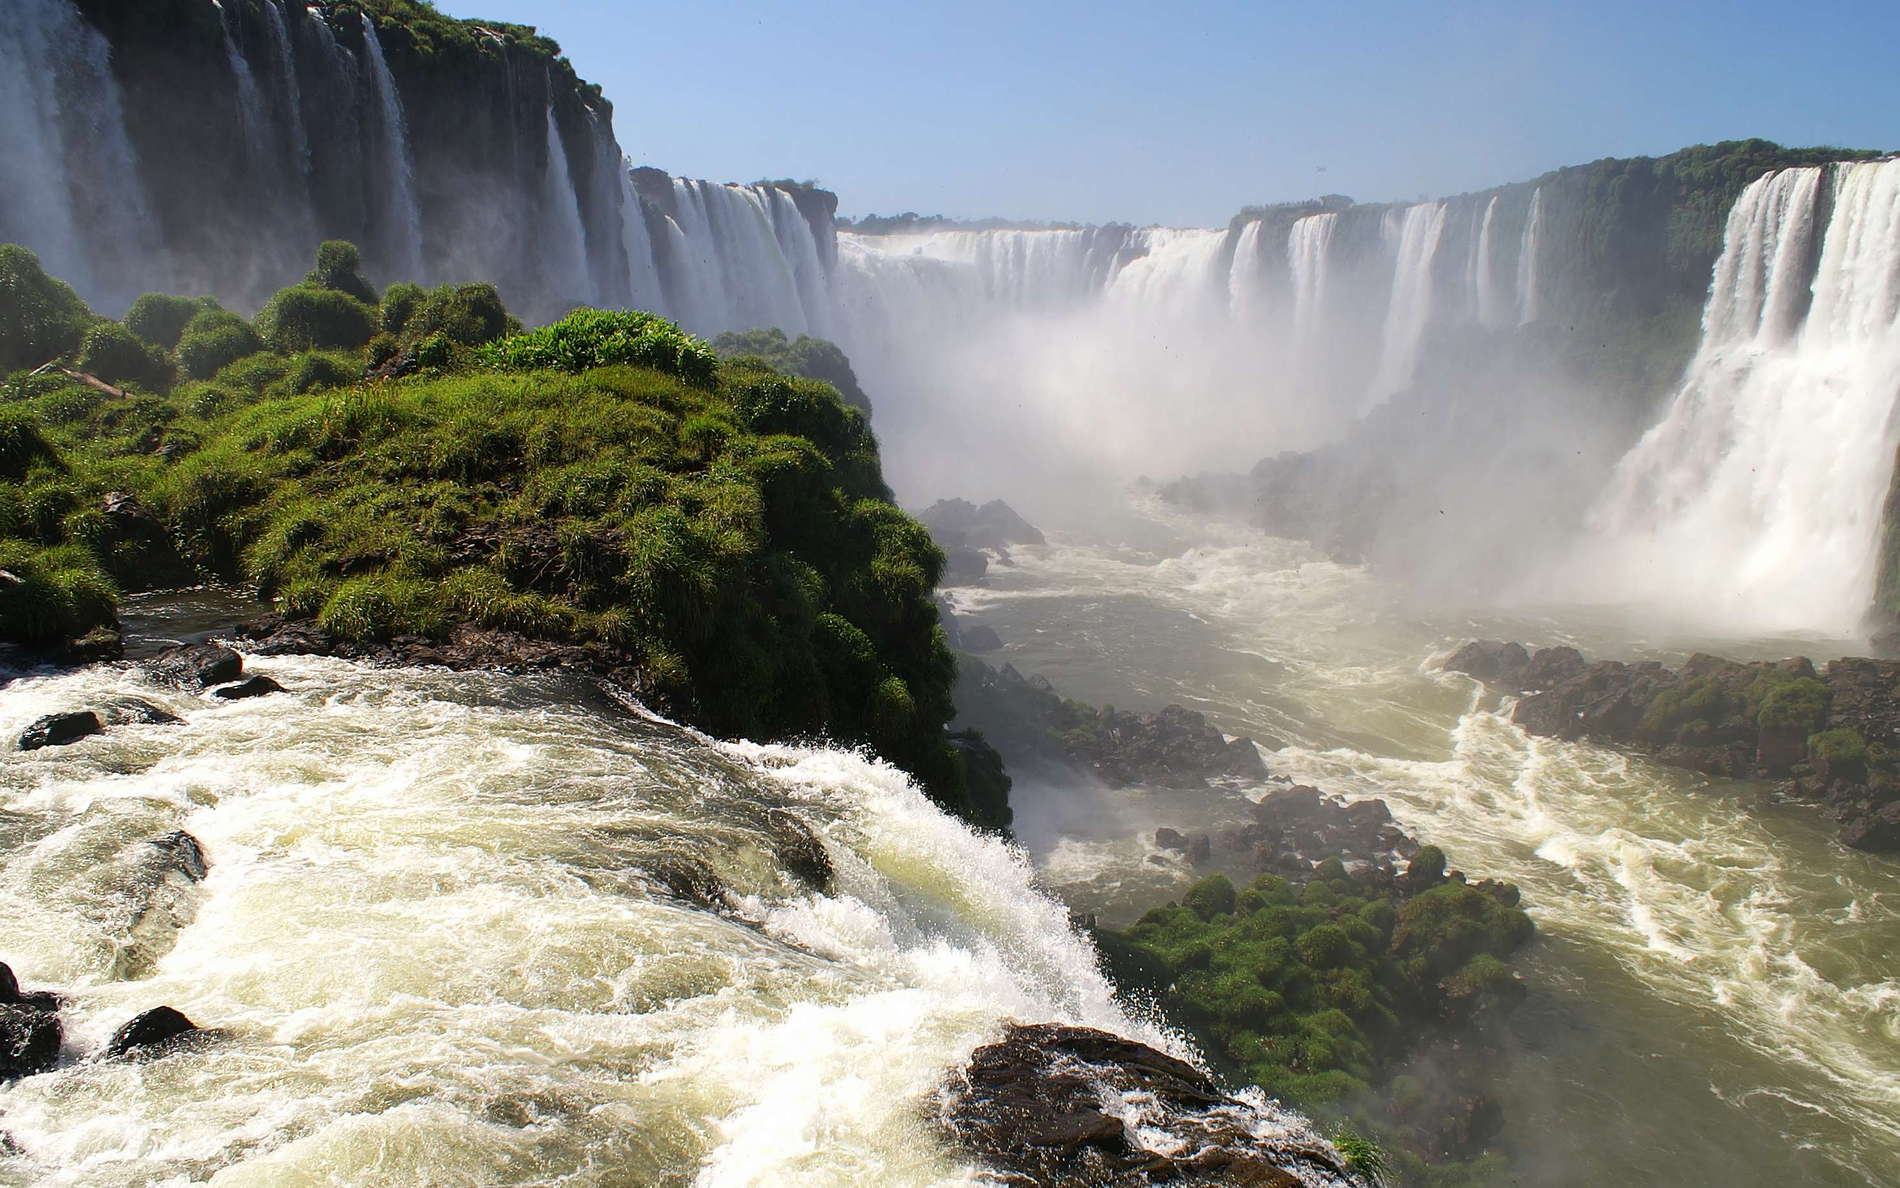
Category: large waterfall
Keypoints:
(1758, 497)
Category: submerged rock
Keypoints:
(151, 1032)
(161, 878)
(1071, 1106)
(196, 666)
(58, 730)
(136, 711)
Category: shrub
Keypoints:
(1212, 896)
(112, 353)
(49, 594)
(22, 446)
(1799, 704)
(399, 302)
(597, 338)
(40, 318)
(1844, 752)
(212, 341)
(469, 315)
(161, 318)
(811, 358)
(305, 317)
(340, 269)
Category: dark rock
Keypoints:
(980, 637)
(135, 711)
(994, 525)
(150, 1032)
(1200, 848)
(185, 854)
(251, 686)
(1874, 829)
(1170, 839)
(30, 1030)
(1552, 666)
(1044, 1106)
(1492, 661)
(691, 880)
(196, 666)
(1467, 1128)
(29, 1040)
(58, 730)
(95, 647)
(964, 566)
(799, 851)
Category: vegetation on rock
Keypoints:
(813, 358)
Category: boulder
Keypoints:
(30, 1030)
(1492, 661)
(58, 730)
(979, 637)
(150, 1033)
(1046, 1105)
(1170, 839)
(1875, 829)
(196, 666)
(251, 686)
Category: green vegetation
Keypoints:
(720, 539)
(1317, 992)
(813, 358)
(40, 318)
(160, 318)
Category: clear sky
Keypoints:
(1183, 112)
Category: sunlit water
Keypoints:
(1719, 978)
(438, 939)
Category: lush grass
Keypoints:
(813, 358)
(720, 538)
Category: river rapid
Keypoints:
(1717, 988)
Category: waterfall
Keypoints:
(563, 236)
(250, 103)
(1527, 278)
(1249, 281)
(643, 272)
(1484, 285)
(1308, 242)
(1757, 497)
(1416, 232)
(70, 188)
(402, 232)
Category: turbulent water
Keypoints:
(443, 937)
(1716, 1001)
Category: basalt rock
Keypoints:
(59, 730)
(196, 666)
(251, 686)
(151, 1033)
(135, 711)
(1069, 1107)
(30, 1030)
(1295, 828)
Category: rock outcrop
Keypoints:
(1072, 1106)
(30, 1030)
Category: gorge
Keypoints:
(611, 820)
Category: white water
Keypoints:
(1484, 269)
(1528, 309)
(562, 234)
(1757, 499)
(397, 169)
(434, 936)
(1415, 232)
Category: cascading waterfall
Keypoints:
(1756, 499)
(1416, 230)
(563, 234)
(1528, 310)
(1307, 243)
(1484, 269)
(250, 102)
(403, 226)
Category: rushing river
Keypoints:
(1719, 979)
(452, 935)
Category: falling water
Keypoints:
(250, 103)
(1527, 272)
(563, 236)
(1757, 498)
(1417, 231)
(1308, 241)
(1484, 279)
(403, 226)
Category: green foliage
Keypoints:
(1686, 714)
(1363, 1156)
(115, 355)
(468, 315)
(212, 341)
(40, 318)
(1212, 896)
(22, 446)
(811, 358)
(49, 594)
(1843, 750)
(340, 269)
(1798, 703)
(598, 338)
(161, 318)
(305, 317)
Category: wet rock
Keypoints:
(799, 851)
(1170, 839)
(58, 730)
(184, 853)
(251, 686)
(196, 666)
(1876, 829)
(151, 1032)
(1071, 1106)
(9, 1147)
(1492, 661)
(994, 525)
(1200, 849)
(691, 880)
(980, 637)
(30, 1030)
(159, 885)
(94, 647)
(136, 711)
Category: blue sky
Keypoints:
(1183, 112)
